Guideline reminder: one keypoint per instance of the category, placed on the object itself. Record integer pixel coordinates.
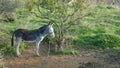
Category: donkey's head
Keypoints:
(51, 30)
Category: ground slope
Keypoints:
(86, 59)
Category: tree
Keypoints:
(64, 13)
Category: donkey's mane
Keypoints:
(42, 29)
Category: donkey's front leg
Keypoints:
(18, 40)
(37, 48)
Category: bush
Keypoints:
(106, 40)
(101, 40)
(6, 49)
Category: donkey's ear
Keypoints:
(52, 24)
(49, 23)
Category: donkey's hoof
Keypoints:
(37, 55)
(19, 55)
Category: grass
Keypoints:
(101, 20)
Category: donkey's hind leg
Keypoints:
(18, 40)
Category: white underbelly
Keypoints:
(31, 41)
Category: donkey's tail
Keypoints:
(12, 40)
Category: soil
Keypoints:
(88, 58)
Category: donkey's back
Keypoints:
(28, 35)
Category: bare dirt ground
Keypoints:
(86, 59)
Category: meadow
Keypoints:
(99, 29)
(92, 38)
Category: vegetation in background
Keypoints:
(61, 12)
(75, 25)
(7, 10)
(100, 28)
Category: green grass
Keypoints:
(24, 20)
(101, 24)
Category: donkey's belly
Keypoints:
(31, 41)
(29, 38)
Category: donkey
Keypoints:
(36, 36)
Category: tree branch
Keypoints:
(72, 22)
(70, 15)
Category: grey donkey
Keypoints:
(36, 36)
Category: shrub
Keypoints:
(106, 40)
(6, 49)
(101, 40)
